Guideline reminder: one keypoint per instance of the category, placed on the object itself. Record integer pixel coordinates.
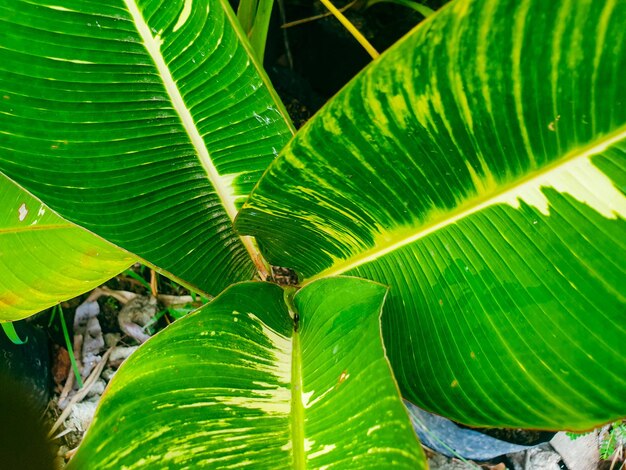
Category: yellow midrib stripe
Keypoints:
(224, 192)
(473, 206)
(297, 408)
(153, 46)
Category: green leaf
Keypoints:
(148, 123)
(14, 337)
(232, 384)
(45, 259)
(479, 169)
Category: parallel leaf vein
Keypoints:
(505, 194)
(153, 47)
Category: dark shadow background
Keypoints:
(23, 442)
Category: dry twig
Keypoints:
(91, 380)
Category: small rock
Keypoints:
(108, 373)
(84, 312)
(97, 389)
(580, 453)
(136, 314)
(93, 342)
(120, 354)
(543, 457)
(87, 326)
(111, 339)
(441, 462)
(81, 416)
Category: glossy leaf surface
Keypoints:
(233, 385)
(147, 123)
(479, 169)
(45, 259)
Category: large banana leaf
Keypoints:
(45, 259)
(233, 385)
(479, 169)
(147, 123)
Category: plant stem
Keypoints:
(261, 265)
(258, 33)
(70, 350)
(351, 29)
(316, 17)
(245, 14)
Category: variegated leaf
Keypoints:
(479, 169)
(45, 259)
(233, 385)
(147, 123)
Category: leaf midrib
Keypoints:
(472, 206)
(297, 408)
(153, 47)
(222, 188)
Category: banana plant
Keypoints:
(479, 170)
(474, 174)
(119, 118)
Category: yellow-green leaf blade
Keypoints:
(352, 418)
(45, 259)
